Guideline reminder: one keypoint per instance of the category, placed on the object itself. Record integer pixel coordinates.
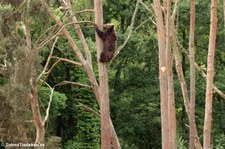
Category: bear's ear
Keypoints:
(108, 26)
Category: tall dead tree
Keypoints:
(33, 96)
(210, 76)
(162, 74)
(192, 76)
(170, 80)
(103, 82)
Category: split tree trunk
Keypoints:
(170, 80)
(180, 75)
(162, 75)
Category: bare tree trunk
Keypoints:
(181, 77)
(183, 84)
(40, 131)
(39, 125)
(209, 76)
(114, 138)
(162, 75)
(192, 76)
(170, 81)
(202, 72)
(185, 93)
(103, 83)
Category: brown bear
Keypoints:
(109, 39)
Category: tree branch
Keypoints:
(202, 71)
(88, 109)
(48, 39)
(120, 48)
(82, 11)
(53, 66)
(68, 60)
(17, 9)
(72, 83)
(47, 30)
(80, 33)
(146, 7)
(49, 104)
(86, 64)
(49, 58)
(149, 19)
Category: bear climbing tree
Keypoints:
(109, 39)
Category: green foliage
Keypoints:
(5, 8)
(58, 101)
(76, 126)
(134, 97)
(181, 143)
(53, 142)
(15, 77)
(2, 80)
(219, 141)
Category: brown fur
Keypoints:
(109, 39)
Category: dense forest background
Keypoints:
(133, 74)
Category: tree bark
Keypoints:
(162, 74)
(185, 94)
(170, 81)
(210, 76)
(179, 69)
(40, 131)
(103, 82)
(192, 76)
(201, 70)
(33, 96)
